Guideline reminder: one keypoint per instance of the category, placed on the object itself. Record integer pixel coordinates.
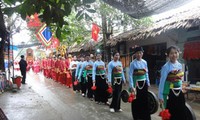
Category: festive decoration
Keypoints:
(110, 90)
(93, 87)
(131, 98)
(61, 49)
(95, 31)
(55, 42)
(44, 35)
(33, 21)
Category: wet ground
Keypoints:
(45, 99)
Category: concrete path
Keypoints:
(45, 99)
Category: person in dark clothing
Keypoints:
(23, 65)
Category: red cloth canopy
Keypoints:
(191, 50)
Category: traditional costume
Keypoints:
(78, 69)
(99, 77)
(139, 79)
(72, 67)
(57, 70)
(85, 77)
(116, 77)
(62, 71)
(49, 65)
(44, 66)
(36, 66)
(68, 73)
(53, 69)
(170, 90)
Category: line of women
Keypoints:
(92, 79)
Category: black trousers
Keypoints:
(140, 105)
(89, 86)
(116, 99)
(176, 106)
(101, 94)
(83, 85)
(23, 76)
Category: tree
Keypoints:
(52, 12)
(114, 21)
(3, 35)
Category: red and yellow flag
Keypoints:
(95, 31)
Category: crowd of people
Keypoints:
(90, 76)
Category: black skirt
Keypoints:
(101, 94)
(139, 106)
(176, 106)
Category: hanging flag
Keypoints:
(44, 35)
(95, 31)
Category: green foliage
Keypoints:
(116, 19)
(52, 12)
(68, 26)
(75, 31)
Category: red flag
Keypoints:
(95, 31)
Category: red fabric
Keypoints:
(57, 64)
(44, 64)
(191, 50)
(53, 73)
(68, 78)
(36, 66)
(55, 43)
(95, 31)
(49, 65)
(61, 70)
